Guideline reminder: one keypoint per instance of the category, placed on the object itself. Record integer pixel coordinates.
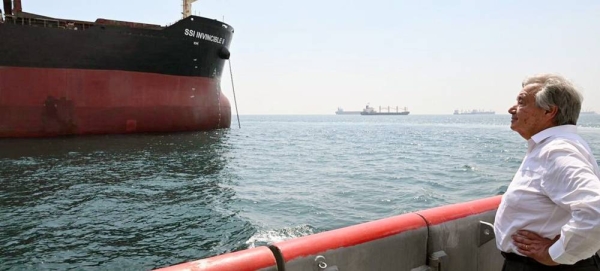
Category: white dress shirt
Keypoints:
(555, 191)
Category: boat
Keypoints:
(474, 112)
(340, 111)
(452, 237)
(61, 77)
(587, 112)
(370, 111)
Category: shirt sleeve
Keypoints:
(571, 183)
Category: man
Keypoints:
(549, 217)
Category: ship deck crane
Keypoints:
(187, 8)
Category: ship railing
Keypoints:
(50, 23)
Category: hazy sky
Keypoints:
(309, 57)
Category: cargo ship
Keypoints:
(370, 111)
(587, 112)
(63, 77)
(341, 111)
(474, 112)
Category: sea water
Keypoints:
(138, 202)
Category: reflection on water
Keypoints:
(116, 202)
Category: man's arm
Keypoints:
(572, 184)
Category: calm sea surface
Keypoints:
(139, 202)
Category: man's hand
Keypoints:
(534, 246)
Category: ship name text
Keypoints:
(204, 36)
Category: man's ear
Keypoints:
(552, 111)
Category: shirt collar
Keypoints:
(552, 131)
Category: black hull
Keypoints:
(475, 114)
(171, 50)
(385, 114)
(348, 113)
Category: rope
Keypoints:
(234, 99)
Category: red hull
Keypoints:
(39, 102)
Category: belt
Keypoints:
(592, 261)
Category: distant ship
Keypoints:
(587, 112)
(341, 111)
(371, 111)
(474, 112)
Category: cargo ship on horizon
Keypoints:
(474, 112)
(587, 112)
(68, 77)
(370, 111)
(340, 111)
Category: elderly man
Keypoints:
(549, 217)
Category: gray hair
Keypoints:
(556, 90)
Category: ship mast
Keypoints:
(187, 8)
(12, 7)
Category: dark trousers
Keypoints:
(515, 262)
